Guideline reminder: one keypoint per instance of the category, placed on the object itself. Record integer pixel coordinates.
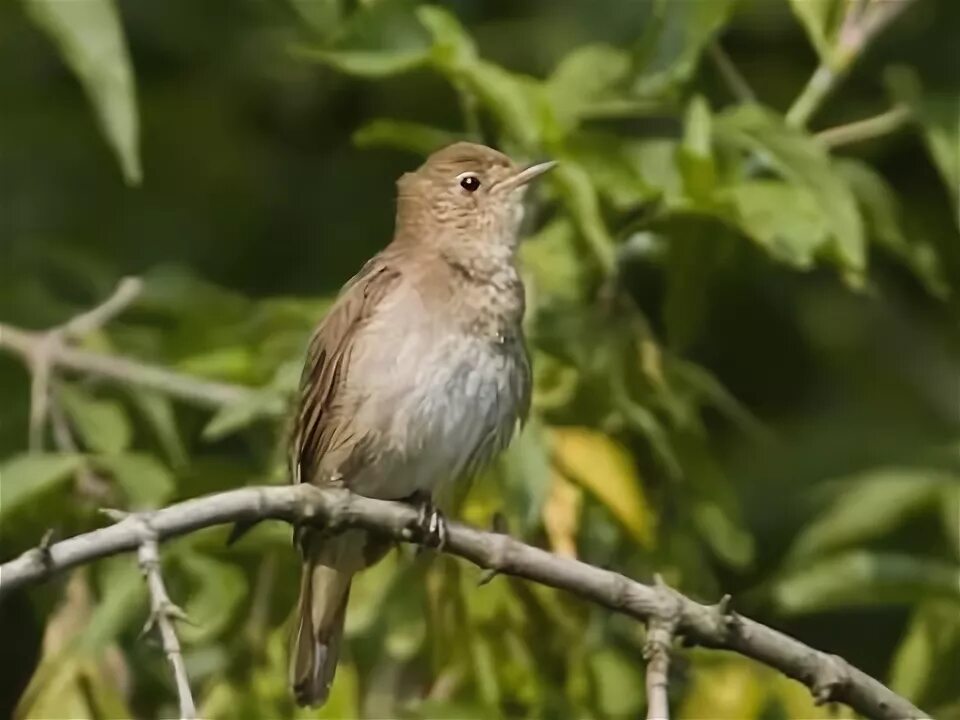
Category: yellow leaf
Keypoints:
(604, 468)
(735, 687)
(561, 515)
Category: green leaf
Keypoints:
(930, 645)
(783, 219)
(618, 683)
(950, 513)
(217, 590)
(368, 64)
(587, 76)
(526, 473)
(605, 469)
(870, 506)
(25, 478)
(860, 578)
(123, 594)
(802, 162)
(938, 116)
(415, 137)
(157, 410)
(550, 259)
(671, 49)
(103, 425)
(236, 416)
(615, 166)
(145, 482)
(580, 198)
(516, 101)
(819, 18)
(90, 39)
(695, 160)
(880, 207)
(322, 16)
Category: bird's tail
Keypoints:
(328, 568)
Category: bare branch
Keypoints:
(206, 393)
(85, 323)
(660, 632)
(877, 126)
(830, 677)
(162, 614)
(861, 24)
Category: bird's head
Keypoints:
(465, 192)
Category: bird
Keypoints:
(416, 378)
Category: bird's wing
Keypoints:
(317, 429)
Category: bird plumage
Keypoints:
(416, 377)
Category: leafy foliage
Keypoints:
(744, 347)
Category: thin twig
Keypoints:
(128, 289)
(40, 355)
(162, 614)
(207, 393)
(831, 678)
(660, 631)
(867, 129)
(861, 24)
(731, 74)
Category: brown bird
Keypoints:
(415, 378)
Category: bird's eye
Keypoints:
(470, 183)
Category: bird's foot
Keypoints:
(430, 521)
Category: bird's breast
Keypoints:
(442, 401)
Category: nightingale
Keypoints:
(416, 377)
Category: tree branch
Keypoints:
(861, 24)
(830, 678)
(162, 614)
(206, 393)
(867, 129)
(660, 632)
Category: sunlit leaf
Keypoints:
(580, 198)
(803, 162)
(870, 506)
(858, 578)
(618, 680)
(102, 424)
(615, 165)
(727, 687)
(589, 75)
(370, 64)
(417, 138)
(561, 515)
(145, 481)
(25, 478)
(696, 161)
(513, 99)
(604, 469)
(670, 50)
(930, 646)
(90, 39)
(322, 16)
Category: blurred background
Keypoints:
(742, 316)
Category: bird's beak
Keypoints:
(526, 175)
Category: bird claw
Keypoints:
(431, 524)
